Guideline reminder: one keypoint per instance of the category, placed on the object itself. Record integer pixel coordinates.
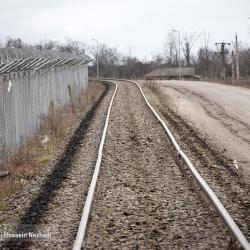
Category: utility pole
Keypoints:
(223, 52)
(232, 58)
(237, 58)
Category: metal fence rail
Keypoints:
(29, 81)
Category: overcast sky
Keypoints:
(136, 25)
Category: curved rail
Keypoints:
(86, 211)
(221, 210)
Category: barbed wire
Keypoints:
(19, 59)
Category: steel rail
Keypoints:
(79, 241)
(221, 210)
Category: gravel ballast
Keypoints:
(51, 203)
(214, 165)
(144, 200)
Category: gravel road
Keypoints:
(51, 203)
(220, 112)
(143, 199)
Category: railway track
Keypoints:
(183, 160)
(141, 192)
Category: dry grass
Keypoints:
(29, 158)
(166, 101)
(153, 86)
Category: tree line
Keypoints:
(205, 58)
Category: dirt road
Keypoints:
(219, 112)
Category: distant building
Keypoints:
(168, 73)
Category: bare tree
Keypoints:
(244, 61)
(171, 49)
(206, 50)
(109, 60)
(187, 45)
(14, 43)
(73, 46)
(47, 44)
(114, 64)
(157, 60)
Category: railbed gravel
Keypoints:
(144, 200)
(52, 201)
(213, 163)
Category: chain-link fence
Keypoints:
(25, 93)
